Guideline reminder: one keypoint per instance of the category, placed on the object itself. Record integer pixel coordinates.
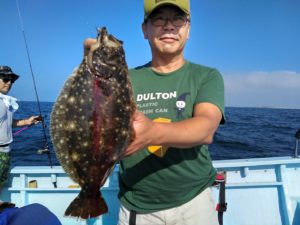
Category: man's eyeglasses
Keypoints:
(6, 79)
(177, 21)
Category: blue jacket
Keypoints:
(33, 214)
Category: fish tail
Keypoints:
(87, 207)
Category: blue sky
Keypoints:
(254, 44)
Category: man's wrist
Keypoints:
(23, 122)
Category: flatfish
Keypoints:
(91, 122)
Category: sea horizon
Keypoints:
(249, 132)
(229, 106)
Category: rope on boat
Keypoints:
(46, 149)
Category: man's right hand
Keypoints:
(87, 45)
(144, 130)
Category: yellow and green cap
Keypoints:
(150, 5)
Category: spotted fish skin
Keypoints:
(91, 122)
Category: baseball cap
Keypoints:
(7, 71)
(150, 5)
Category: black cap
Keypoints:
(7, 71)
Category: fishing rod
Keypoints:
(46, 148)
(297, 136)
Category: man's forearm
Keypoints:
(184, 134)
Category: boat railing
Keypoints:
(261, 191)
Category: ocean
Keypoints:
(247, 133)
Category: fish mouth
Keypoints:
(107, 39)
(102, 58)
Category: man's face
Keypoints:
(5, 84)
(163, 32)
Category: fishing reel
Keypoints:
(42, 151)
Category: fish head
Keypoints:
(106, 56)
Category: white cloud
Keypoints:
(267, 89)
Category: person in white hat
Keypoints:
(167, 173)
(8, 105)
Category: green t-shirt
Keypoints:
(156, 178)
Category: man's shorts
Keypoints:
(4, 167)
(200, 210)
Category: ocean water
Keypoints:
(247, 133)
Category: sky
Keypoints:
(254, 44)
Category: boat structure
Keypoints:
(259, 191)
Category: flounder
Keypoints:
(91, 122)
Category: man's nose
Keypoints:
(169, 23)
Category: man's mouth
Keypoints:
(168, 39)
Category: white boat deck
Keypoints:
(264, 191)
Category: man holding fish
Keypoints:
(166, 174)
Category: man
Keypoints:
(8, 106)
(167, 174)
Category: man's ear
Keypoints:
(144, 29)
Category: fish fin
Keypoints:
(85, 208)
